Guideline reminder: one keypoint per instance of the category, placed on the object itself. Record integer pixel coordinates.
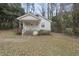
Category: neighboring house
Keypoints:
(34, 23)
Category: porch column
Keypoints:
(23, 29)
(20, 25)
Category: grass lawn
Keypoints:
(54, 44)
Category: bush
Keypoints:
(69, 31)
(44, 32)
(76, 31)
(7, 25)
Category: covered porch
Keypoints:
(29, 22)
(29, 26)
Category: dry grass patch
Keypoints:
(54, 44)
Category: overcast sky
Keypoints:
(37, 7)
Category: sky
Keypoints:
(37, 7)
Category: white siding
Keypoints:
(29, 18)
(47, 25)
(30, 28)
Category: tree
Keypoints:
(30, 7)
(51, 8)
(42, 9)
(8, 13)
(33, 8)
(76, 18)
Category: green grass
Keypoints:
(48, 45)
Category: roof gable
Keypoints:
(45, 18)
(27, 16)
(33, 17)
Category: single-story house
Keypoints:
(34, 23)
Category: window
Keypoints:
(37, 15)
(43, 25)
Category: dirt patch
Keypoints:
(54, 44)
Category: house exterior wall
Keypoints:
(47, 26)
(34, 23)
(30, 27)
(46, 23)
(29, 18)
(43, 24)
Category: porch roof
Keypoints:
(34, 17)
(28, 16)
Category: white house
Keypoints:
(34, 23)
